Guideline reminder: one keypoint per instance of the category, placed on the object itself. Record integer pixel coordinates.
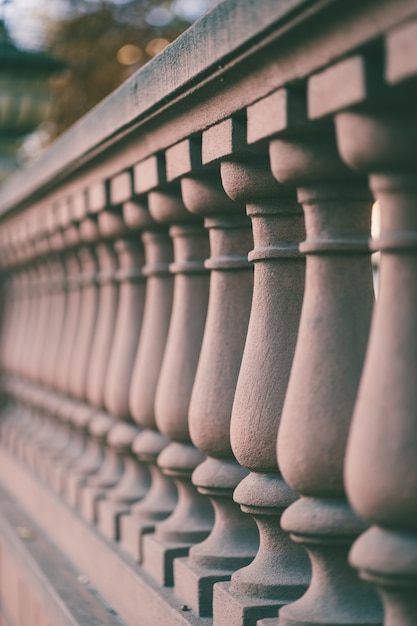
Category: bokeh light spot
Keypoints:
(155, 46)
(190, 10)
(159, 16)
(129, 54)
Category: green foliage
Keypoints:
(90, 41)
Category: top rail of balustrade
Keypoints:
(237, 53)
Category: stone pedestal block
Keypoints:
(235, 609)
(74, 485)
(90, 497)
(194, 584)
(108, 515)
(158, 558)
(57, 478)
(132, 531)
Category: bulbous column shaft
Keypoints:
(91, 459)
(120, 489)
(158, 255)
(73, 411)
(233, 541)
(106, 320)
(59, 407)
(37, 319)
(127, 328)
(15, 274)
(78, 366)
(48, 349)
(279, 571)
(41, 330)
(379, 138)
(135, 480)
(24, 352)
(16, 298)
(161, 497)
(55, 321)
(11, 281)
(192, 517)
(31, 252)
(25, 299)
(78, 415)
(17, 417)
(327, 365)
(72, 267)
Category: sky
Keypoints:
(26, 18)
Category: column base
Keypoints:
(158, 558)
(73, 486)
(57, 478)
(234, 609)
(132, 530)
(108, 516)
(46, 469)
(194, 585)
(90, 497)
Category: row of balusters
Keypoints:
(155, 349)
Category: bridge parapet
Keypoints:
(207, 419)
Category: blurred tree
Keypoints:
(102, 43)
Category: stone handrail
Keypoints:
(204, 407)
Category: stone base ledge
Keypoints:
(135, 597)
(38, 584)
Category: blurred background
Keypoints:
(58, 58)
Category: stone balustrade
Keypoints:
(207, 419)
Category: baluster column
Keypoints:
(18, 310)
(331, 344)
(12, 275)
(378, 137)
(107, 497)
(74, 413)
(233, 541)
(59, 404)
(92, 458)
(21, 253)
(58, 297)
(106, 463)
(48, 337)
(81, 361)
(56, 325)
(93, 425)
(191, 519)
(162, 496)
(23, 388)
(280, 570)
(29, 390)
(135, 479)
